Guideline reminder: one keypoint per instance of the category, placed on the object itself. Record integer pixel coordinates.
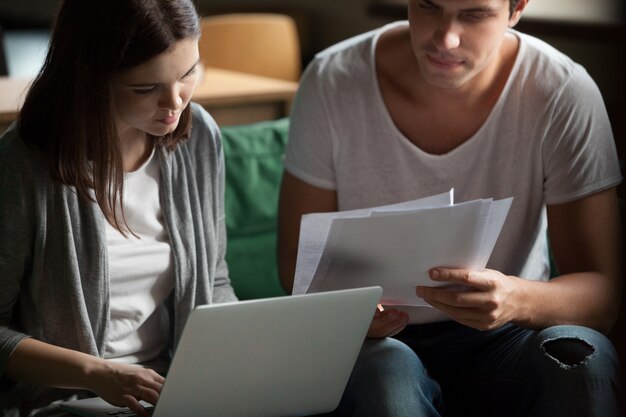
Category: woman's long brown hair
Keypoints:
(69, 112)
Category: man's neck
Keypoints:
(435, 118)
(395, 57)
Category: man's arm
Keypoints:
(586, 242)
(296, 199)
(585, 237)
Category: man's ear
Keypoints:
(517, 13)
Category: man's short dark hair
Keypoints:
(512, 6)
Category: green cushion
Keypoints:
(254, 167)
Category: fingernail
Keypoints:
(434, 273)
(419, 291)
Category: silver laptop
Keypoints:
(284, 356)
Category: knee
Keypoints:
(389, 380)
(388, 357)
(577, 347)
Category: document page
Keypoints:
(314, 229)
(395, 246)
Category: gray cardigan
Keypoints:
(53, 255)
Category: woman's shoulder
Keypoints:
(203, 142)
(204, 130)
(202, 121)
(14, 152)
(22, 166)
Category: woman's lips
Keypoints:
(168, 120)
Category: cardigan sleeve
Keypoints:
(16, 238)
(222, 289)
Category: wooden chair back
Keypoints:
(265, 44)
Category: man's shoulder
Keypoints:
(352, 52)
(548, 74)
(547, 61)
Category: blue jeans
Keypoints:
(447, 369)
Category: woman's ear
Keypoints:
(517, 13)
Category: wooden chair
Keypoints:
(258, 43)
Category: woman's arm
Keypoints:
(40, 363)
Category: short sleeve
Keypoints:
(309, 152)
(579, 154)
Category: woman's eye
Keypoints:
(191, 71)
(144, 91)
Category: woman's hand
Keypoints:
(483, 300)
(387, 323)
(36, 362)
(125, 385)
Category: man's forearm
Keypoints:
(586, 298)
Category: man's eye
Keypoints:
(474, 17)
(427, 6)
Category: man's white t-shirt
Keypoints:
(547, 140)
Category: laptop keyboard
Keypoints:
(127, 412)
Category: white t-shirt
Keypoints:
(140, 272)
(547, 141)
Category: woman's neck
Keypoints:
(136, 148)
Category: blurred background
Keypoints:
(592, 32)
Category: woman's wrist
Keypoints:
(93, 371)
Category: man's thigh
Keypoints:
(513, 371)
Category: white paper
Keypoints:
(314, 230)
(395, 246)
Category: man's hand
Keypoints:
(484, 300)
(387, 323)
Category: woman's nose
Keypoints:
(171, 99)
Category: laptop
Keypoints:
(282, 356)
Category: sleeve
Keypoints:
(222, 289)
(309, 152)
(579, 154)
(16, 244)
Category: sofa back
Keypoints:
(254, 168)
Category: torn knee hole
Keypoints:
(569, 352)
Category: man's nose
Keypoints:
(447, 36)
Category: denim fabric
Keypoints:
(447, 369)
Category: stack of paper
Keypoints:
(395, 246)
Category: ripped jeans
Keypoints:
(447, 369)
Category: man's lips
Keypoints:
(444, 62)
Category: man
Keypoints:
(456, 98)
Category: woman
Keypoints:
(111, 209)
